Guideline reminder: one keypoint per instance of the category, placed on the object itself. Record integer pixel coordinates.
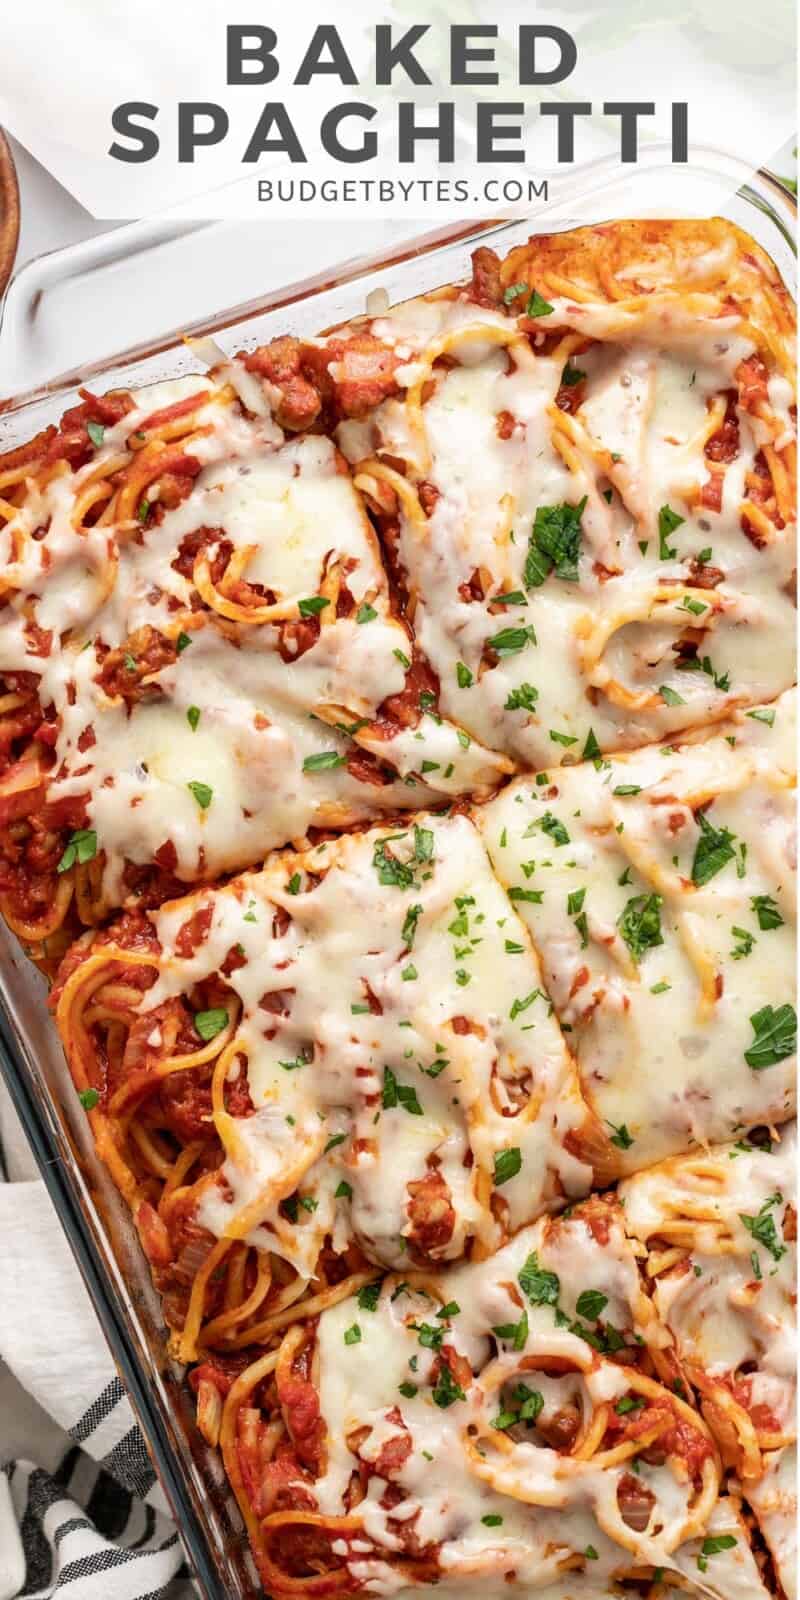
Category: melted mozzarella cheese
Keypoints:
(257, 718)
(730, 1303)
(402, 1028)
(661, 1030)
(537, 1511)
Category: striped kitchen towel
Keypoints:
(81, 1514)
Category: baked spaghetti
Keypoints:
(397, 780)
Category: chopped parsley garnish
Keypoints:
(763, 715)
(512, 292)
(668, 521)
(301, 1060)
(324, 762)
(335, 1139)
(575, 901)
(514, 597)
(464, 676)
(515, 1332)
(532, 896)
(507, 1163)
(762, 1228)
(542, 1288)
(774, 1036)
(407, 1390)
(409, 933)
(293, 886)
(590, 1304)
(537, 306)
(182, 642)
(744, 945)
(712, 1547)
(767, 912)
(210, 1023)
(80, 848)
(591, 749)
(670, 696)
(715, 848)
(402, 658)
(627, 788)
(344, 1192)
(203, 794)
(629, 1403)
(312, 606)
(509, 641)
(554, 544)
(572, 376)
(491, 1520)
(520, 1005)
(366, 612)
(620, 1136)
(368, 1296)
(391, 872)
(88, 1098)
(399, 1094)
(96, 433)
(554, 828)
(523, 698)
(446, 1390)
(562, 738)
(193, 717)
(352, 1335)
(640, 924)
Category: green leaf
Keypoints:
(533, 897)
(523, 698)
(562, 738)
(620, 1136)
(182, 643)
(344, 1192)
(668, 521)
(326, 761)
(513, 291)
(715, 849)
(762, 1228)
(537, 306)
(507, 1163)
(366, 613)
(571, 376)
(745, 943)
(423, 844)
(402, 658)
(407, 1390)
(335, 1140)
(293, 886)
(399, 1094)
(640, 924)
(391, 872)
(514, 597)
(627, 788)
(542, 1288)
(591, 749)
(491, 1520)
(193, 717)
(369, 1295)
(515, 1332)
(88, 1098)
(313, 606)
(670, 696)
(774, 1036)
(446, 1390)
(590, 1304)
(554, 544)
(352, 1335)
(80, 848)
(451, 1309)
(210, 1023)
(202, 793)
(554, 828)
(767, 912)
(464, 676)
(509, 641)
(575, 902)
(96, 433)
(762, 715)
(409, 933)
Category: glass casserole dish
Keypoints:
(57, 293)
